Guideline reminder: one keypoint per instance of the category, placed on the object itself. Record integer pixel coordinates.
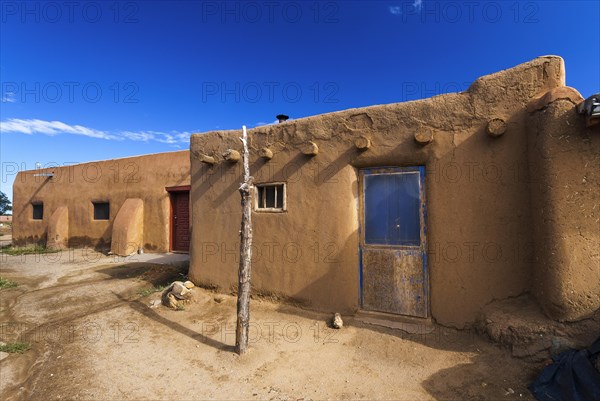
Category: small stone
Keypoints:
(218, 299)
(168, 299)
(338, 323)
(179, 290)
(509, 391)
(188, 284)
(172, 302)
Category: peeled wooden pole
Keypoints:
(243, 302)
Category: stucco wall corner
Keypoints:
(564, 163)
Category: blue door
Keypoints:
(393, 243)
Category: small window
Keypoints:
(38, 211)
(270, 197)
(101, 210)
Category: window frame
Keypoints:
(281, 209)
(100, 202)
(33, 207)
(391, 171)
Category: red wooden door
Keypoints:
(180, 221)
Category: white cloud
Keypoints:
(397, 10)
(137, 136)
(262, 123)
(51, 128)
(8, 98)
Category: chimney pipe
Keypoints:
(281, 117)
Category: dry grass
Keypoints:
(6, 283)
(27, 250)
(17, 347)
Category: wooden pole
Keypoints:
(243, 302)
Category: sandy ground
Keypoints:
(5, 238)
(94, 337)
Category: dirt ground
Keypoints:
(5, 234)
(94, 336)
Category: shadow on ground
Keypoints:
(155, 274)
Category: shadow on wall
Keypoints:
(337, 284)
(482, 176)
(33, 196)
(101, 245)
(41, 240)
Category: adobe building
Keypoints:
(430, 209)
(126, 205)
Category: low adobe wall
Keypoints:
(480, 243)
(114, 181)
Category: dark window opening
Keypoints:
(38, 211)
(101, 210)
(270, 197)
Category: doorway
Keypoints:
(393, 271)
(180, 218)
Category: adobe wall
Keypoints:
(57, 232)
(480, 244)
(128, 228)
(565, 193)
(143, 177)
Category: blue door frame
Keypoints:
(393, 243)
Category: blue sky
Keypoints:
(92, 80)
